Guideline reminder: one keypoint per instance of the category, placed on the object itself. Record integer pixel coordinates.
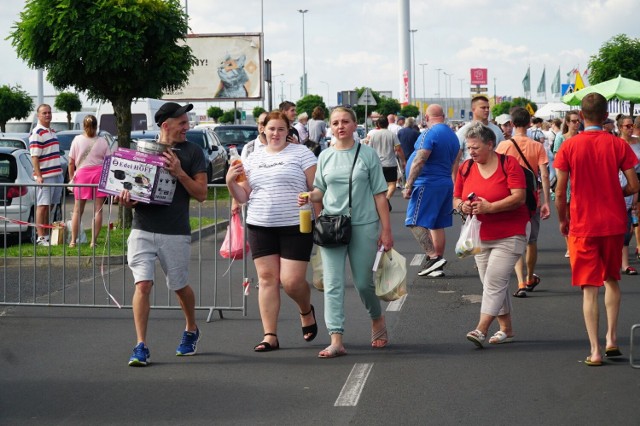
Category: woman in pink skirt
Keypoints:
(85, 166)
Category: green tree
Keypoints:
(618, 56)
(410, 111)
(113, 50)
(14, 103)
(308, 103)
(501, 108)
(257, 111)
(68, 102)
(215, 112)
(228, 116)
(388, 106)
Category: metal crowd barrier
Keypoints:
(33, 276)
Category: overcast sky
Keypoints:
(354, 43)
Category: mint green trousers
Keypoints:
(362, 253)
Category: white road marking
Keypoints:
(396, 305)
(417, 259)
(350, 393)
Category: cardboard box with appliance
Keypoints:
(141, 173)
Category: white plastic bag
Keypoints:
(82, 234)
(316, 266)
(469, 242)
(391, 276)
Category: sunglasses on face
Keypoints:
(627, 126)
(574, 121)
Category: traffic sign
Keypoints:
(367, 98)
(478, 89)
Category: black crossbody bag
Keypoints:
(335, 230)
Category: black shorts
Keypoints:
(286, 241)
(390, 174)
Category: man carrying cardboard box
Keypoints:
(162, 232)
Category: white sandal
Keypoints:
(477, 337)
(500, 337)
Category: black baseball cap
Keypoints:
(171, 110)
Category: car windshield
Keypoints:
(199, 138)
(12, 143)
(8, 169)
(65, 141)
(234, 136)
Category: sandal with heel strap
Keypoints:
(310, 329)
(266, 346)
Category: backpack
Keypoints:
(529, 177)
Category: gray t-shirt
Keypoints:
(174, 218)
(462, 137)
(317, 130)
(384, 142)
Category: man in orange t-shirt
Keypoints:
(592, 161)
(536, 156)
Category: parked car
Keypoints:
(217, 157)
(237, 135)
(21, 140)
(16, 202)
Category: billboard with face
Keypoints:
(227, 67)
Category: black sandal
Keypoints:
(266, 346)
(310, 329)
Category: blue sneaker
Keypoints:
(188, 344)
(140, 356)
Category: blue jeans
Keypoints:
(362, 253)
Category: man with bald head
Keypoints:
(429, 189)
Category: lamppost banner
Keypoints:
(478, 76)
(228, 67)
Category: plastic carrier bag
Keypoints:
(469, 242)
(232, 246)
(391, 276)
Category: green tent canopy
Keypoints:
(619, 88)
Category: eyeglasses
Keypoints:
(627, 126)
(574, 121)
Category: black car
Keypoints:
(207, 140)
(235, 135)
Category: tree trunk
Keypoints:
(69, 120)
(631, 107)
(122, 111)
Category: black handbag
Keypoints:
(335, 230)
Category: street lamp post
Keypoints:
(272, 79)
(413, 61)
(461, 94)
(304, 65)
(448, 92)
(424, 87)
(328, 92)
(438, 70)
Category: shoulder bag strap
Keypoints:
(86, 153)
(351, 175)
(522, 155)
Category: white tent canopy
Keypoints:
(552, 110)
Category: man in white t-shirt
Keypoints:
(393, 126)
(480, 110)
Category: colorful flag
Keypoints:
(542, 87)
(530, 109)
(555, 86)
(585, 78)
(579, 83)
(526, 81)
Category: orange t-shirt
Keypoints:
(532, 150)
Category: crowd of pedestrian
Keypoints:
(480, 169)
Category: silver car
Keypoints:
(17, 203)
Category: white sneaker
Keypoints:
(43, 241)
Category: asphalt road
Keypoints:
(69, 366)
